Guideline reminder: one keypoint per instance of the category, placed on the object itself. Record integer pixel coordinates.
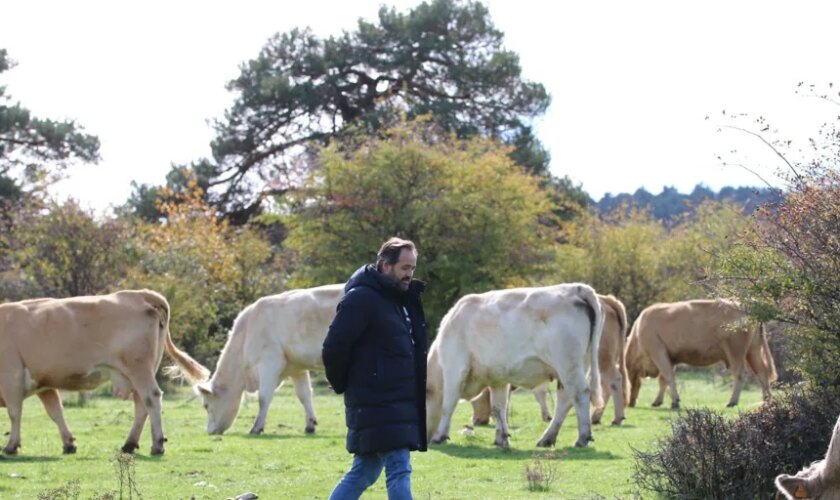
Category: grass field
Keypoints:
(286, 463)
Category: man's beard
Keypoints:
(399, 284)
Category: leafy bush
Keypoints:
(710, 457)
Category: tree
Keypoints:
(472, 212)
(640, 260)
(207, 270)
(64, 251)
(444, 58)
(34, 151)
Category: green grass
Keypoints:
(286, 463)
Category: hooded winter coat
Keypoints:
(377, 359)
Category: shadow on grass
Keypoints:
(11, 459)
(476, 452)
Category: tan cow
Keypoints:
(276, 337)
(77, 344)
(820, 480)
(697, 333)
(614, 379)
(522, 336)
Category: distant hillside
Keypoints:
(670, 204)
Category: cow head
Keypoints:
(820, 480)
(221, 404)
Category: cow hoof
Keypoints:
(256, 431)
(129, 447)
(582, 443)
(157, 451)
(440, 440)
(69, 449)
(309, 429)
(596, 421)
(616, 423)
(632, 404)
(481, 421)
(730, 405)
(11, 451)
(545, 443)
(656, 404)
(675, 405)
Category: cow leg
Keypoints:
(541, 394)
(597, 413)
(738, 371)
(761, 371)
(303, 389)
(616, 387)
(561, 409)
(499, 401)
(14, 405)
(663, 386)
(666, 372)
(451, 393)
(481, 408)
(147, 389)
(269, 374)
(132, 442)
(51, 400)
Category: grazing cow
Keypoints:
(820, 480)
(276, 337)
(697, 333)
(522, 336)
(614, 379)
(76, 344)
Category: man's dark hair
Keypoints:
(390, 251)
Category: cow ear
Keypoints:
(793, 487)
(203, 389)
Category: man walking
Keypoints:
(375, 354)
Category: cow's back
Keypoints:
(61, 341)
(292, 324)
(693, 331)
(509, 334)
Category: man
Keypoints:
(375, 354)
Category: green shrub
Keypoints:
(708, 456)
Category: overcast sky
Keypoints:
(638, 88)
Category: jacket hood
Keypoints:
(368, 276)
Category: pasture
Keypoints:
(286, 463)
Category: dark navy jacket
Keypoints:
(371, 358)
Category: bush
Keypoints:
(710, 457)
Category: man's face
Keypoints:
(403, 270)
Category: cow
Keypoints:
(521, 336)
(78, 343)
(697, 333)
(276, 337)
(614, 379)
(820, 480)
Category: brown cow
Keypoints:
(820, 480)
(614, 379)
(77, 344)
(698, 333)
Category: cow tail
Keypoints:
(187, 367)
(766, 354)
(621, 312)
(589, 296)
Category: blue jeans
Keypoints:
(366, 469)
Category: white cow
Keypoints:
(78, 343)
(820, 480)
(522, 336)
(276, 337)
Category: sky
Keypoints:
(639, 89)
